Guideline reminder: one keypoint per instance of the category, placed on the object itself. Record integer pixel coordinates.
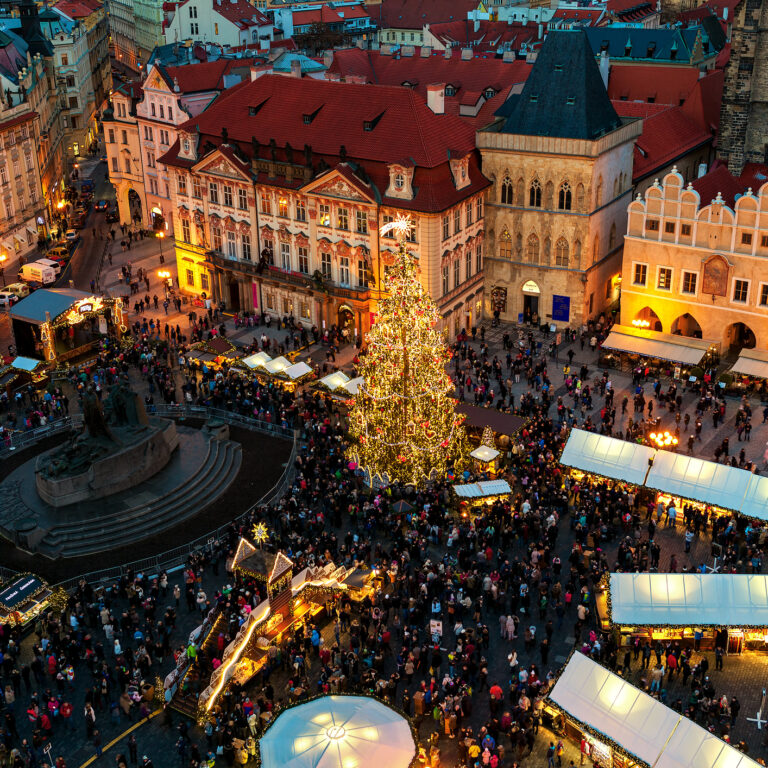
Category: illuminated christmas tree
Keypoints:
(403, 424)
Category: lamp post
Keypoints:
(3, 259)
(161, 237)
(165, 276)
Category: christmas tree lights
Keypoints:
(403, 425)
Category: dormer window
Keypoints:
(307, 119)
(367, 126)
(570, 100)
(489, 93)
(399, 181)
(533, 98)
(450, 90)
(186, 146)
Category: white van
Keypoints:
(37, 273)
(56, 265)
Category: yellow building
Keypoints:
(696, 267)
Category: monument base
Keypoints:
(143, 452)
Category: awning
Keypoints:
(692, 478)
(259, 360)
(638, 723)
(689, 599)
(334, 380)
(752, 362)
(297, 371)
(278, 365)
(607, 456)
(499, 422)
(655, 345)
(484, 488)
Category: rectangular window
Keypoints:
(111, 135)
(301, 211)
(204, 284)
(764, 295)
(446, 227)
(361, 222)
(764, 241)
(190, 278)
(361, 273)
(665, 279)
(652, 225)
(746, 238)
(266, 203)
(325, 265)
(303, 260)
(305, 312)
(194, 29)
(127, 165)
(344, 271)
(685, 230)
(216, 239)
(152, 108)
(242, 199)
(124, 137)
(115, 167)
(213, 192)
(479, 259)
(388, 220)
(246, 240)
(324, 218)
(469, 213)
(285, 256)
(185, 233)
(227, 196)
(740, 291)
(231, 245)
(457, 221)
(182, 185)
(170, 113)
(608, 288)
(641, 274)
(669, 227)
(456, 273)
(410, 235)
(468, 265)
(342, 219)
(445, 279)
(689, 282)
(197, 188)
(479, 208)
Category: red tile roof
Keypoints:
(321, 15)
(78, 9)
(590, 15)
(667, 85)
(404, 128)
(488, 36)
(637, 108)
(207, 75)
(27, 116)
(630, 10)
(718, 179)
(703, 104)
(414, 14)
(241, 13)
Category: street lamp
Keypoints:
(3, 259)
(160, 237)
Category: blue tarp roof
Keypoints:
(53, 300)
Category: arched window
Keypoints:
(506, 190)
(533, 249)
(505, 245)
(599, 192)
(564, 197)
(520, 192)
(612, 237)
(561, 252)
(534, 194)
(580, 197)
(616, 187)
(596, 249)
(577, 254)
(549, 195)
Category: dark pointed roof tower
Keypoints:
(30, 29)
(564, 96)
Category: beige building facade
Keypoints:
(697, 268)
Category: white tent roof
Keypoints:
(259, 360)
(484, 453)
(352, 385)
(334, 380)
(278, 365)
(755, 502)
(689, 599)
(698, 479)
(338, 732)
(607, 456)
(641, 725)
(297, 370)
(484, 488)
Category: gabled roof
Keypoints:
(589, 16)
(665, 85)
(205, 76)
(77, 9)
(630, 10)
(564, 95)
(484, 35)
(663, 44)
(414, 14)
(720, 179)
(241, 13)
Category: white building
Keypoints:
(227, 22)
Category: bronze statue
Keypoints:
(93, 416)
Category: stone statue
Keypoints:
(124, 406)
(93, 416)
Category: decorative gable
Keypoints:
(400, 181)
(460, 171)
(188, 146)
(218, 165)
(341, 183)
(281, 567)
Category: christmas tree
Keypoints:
(403, 425)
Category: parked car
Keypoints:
(22, 290)
(71, 235)
(59, 253)
(112, 216)
(8, 298)
(101, 205)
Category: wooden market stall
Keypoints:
(623, 727)
(23, 600)
(21, 372)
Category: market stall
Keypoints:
(708, 610)
(338, 732)
(748, 373)
(622, 727)
(23, 599)
(334, 381)
(215, 353)
(21, 372)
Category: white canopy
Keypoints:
(752, 362)
(641, 725)
(484, 453)
(655, 345)
(484, 488)
(693, 478)
(607, 456)
(259, 360)
(334, 380)
(297, 370)
(278, 365)
(338, 732)
(689, 599)
(352, 385)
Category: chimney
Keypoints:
(426, 51)
(476, 24)
(327, 58)
(508, 56)
(466, 54)
(605, 68)
(448, 52)
(385, 50)
(702, 170)
(296, 68)
(436, 97)
(540, 31)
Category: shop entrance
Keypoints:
(234, 296)
(346, 321)
(530, 308)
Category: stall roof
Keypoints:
(697, 479)
(19, 591)
(278, 365)
(661, 346)
(638, 723)
(689, 599)
(334, 380)
(484, 453)
(500, 422)
(755, 501)
(484, 488)
(297, 370)
(607, 456)
(25, 363)
(353, 385)
(752, 362)
(259, 360)
(52, 300)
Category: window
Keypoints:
(362, 274)
(325, 265)
(446, 227)
(456, 273)
(685, 230)
(468, 265)
(457, 221)
(70, 81)
(361, 222)
(410, 235)
(305, 312)
(127, 163)
(164, 139)
(399, 179)
(285, 256)
(197, 188)
(325, 215)
(246, 240)
(534, 194)
(445, 279)
(242, 199)
(266, 204)
(664, 282)
(344, 271)
(303, 260)
(740, 291)
(111, 134)
(640, 276)
(746, 238)
(479, 258)
(689, 282)
(182, 185)
(342, 218)
(213, 192)
(216, 29)
(282, 207)
(388, 220)
(652, 225)
(231, 245)
(170, 113)
(227, 196)
(115, 166)
(764, 241)
(764, 294)
(124, 137)
(301, 211)
(669, 227)
(190, 278)
(564, 197)
(533, 249)
(194, 29)
(193, 12)
(204, 285)
(152, 108)
(216, 238)
(479, 208)
(561, 252)
(505, 245)
(469, 213)
(64, 60)
(185, 234)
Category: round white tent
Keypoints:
(336, 731)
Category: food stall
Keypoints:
(619, 726)
(214, 353)
(473, 495)
(23, 600)
(21, 372)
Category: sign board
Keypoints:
(17, 592)
(561, 308)
(677, 372)
(529, 286)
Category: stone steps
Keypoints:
(115, 529)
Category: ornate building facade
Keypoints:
(697, 268)
(281, 187)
